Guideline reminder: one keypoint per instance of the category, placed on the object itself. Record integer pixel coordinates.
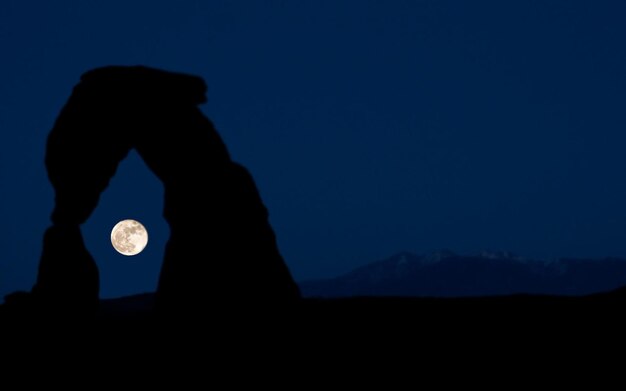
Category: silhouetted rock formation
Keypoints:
(221, 249)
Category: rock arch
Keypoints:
(231, 257)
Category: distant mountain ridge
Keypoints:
(445, 274)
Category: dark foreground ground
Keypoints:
(538, 331)
(369, 312)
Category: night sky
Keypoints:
(371, 127)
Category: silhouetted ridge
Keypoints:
(445, 274)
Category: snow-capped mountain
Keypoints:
(445, 274)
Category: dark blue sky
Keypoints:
(370, 126)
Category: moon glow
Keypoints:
(129, 237)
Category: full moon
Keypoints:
(129, 237)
